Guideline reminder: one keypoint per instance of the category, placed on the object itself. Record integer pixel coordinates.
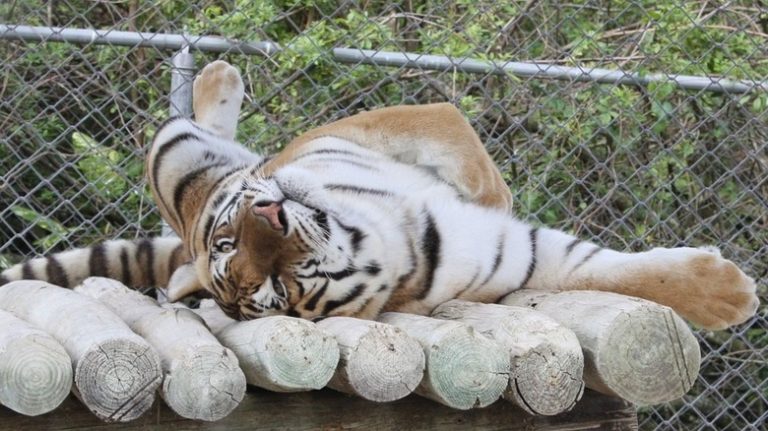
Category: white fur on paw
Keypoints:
(217, 95)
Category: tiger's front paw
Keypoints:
(217, 95)
(716, 293)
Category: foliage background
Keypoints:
(628, 167)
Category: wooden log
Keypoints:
(35, 370)
(635, 349)
(278, 353)
(464, 369)
(546, 363)
(377, 362)
(202, 378)
(116, 371)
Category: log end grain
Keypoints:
(378, 362)
(649, 356)
(36, 374)
(465, 370)
(206, 384)
(296, 355)
(117, 379)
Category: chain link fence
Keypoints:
(631, 160)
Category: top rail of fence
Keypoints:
(381, 58)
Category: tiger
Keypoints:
(395, 209)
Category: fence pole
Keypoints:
(182, 73)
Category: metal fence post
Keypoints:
(182, 73)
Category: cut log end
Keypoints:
(546, 381)
(654, 343)
(465, 370)
(117, 379)
(206, 384)
(36, 375)
(378, 362)
(297, 356)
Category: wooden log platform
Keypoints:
(331, 410)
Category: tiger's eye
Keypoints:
(224, 245)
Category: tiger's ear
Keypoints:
(183, 282)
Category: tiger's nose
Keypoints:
(273, 212)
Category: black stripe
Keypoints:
(569, 248)
(531, 266)
(173, 262)
(223, 177)
(356, 236)
(373, 268)
(336, 276)
(219, 199)
(365, 166)
(126, 267)
(326, 151)
(26, 271)
(584, 260)
(207, 228)
(312, 303)
(302, 289)
(356, 189)
(55, 272)
(145, 255)
(97, 262)
(185, 182)
(497, 259)
(412, 268)
(470, 284)
(167, 146)
(430, 248)
(349, 297)
(321, 218)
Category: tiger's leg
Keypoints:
(435, 136)
(697, 283)
(216, 97)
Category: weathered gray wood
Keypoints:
(202, 377)
(635, 349)
(35, 370)
(546, 362)
(330, 410)
(279, 353)
(377, 362)
(464, 369)
(116, 371)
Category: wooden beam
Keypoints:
(327, 409)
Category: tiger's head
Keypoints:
(271, 245)
(254, 240)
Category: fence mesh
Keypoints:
(629, 167)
